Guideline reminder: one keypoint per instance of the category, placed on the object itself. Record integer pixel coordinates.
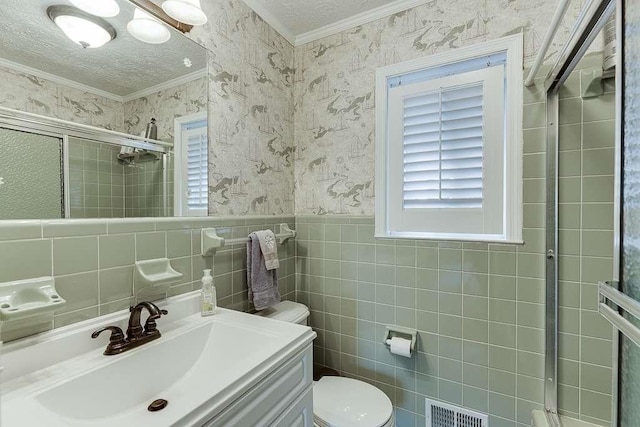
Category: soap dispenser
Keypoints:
(208, 298)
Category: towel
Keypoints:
(262, 283)
(269, 248)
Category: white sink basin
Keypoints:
(200, 362)
(146, 374)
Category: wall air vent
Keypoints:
(444, 415)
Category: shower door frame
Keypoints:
(62, 129)
(590, 23)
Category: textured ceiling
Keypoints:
(302, 16)
(121, 67)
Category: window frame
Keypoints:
(512, 46)
(181, 207)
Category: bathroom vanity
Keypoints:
(229, 369)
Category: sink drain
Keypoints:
(157, 405)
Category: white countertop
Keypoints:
(200, 365)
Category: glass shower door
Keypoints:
(629, 356)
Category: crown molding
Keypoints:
(357, 20)
(270, 19)
(57, 79)
(94, 91)
(335, 28)
(196, 75)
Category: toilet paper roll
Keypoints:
(400, 346)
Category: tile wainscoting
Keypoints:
(479, 312)
(93, 260)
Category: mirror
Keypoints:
(75, 115)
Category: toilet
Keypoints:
(338, 401)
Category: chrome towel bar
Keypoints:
(610, 295)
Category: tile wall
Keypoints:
(96, 180)
(586, 161)
(93, 260)
(102, 187)
(479, 308)
(145, 189)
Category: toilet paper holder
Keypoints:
(402, 332)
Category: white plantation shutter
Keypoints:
(449, 145)
(197, 189)
(191, 186)
(446, 145)
(443, 148)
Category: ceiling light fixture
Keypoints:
(103, 8)
(82, 28)
(187, 11)
(148, 29)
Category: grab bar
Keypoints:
(608, 294)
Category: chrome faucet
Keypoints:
(136, 334)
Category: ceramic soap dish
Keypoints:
(22, 299)
(156, 272)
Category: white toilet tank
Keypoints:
(338, 401)
(287, 311)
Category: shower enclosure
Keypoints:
(629, 365)
(618, 297)
(52, 169)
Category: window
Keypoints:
(191, 165)
(449, 145)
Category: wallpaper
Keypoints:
(335, 86)
(36, 95)
(250, 105)
(165, 106)
(262, 92)
(251, 80)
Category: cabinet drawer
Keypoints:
(300, 414)
(265, 402)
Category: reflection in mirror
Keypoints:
(109, 181)
(104, 180)
(30, 176)
(67, 82)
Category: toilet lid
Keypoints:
(286, 311)
(339, 401)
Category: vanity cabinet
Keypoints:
(284, 398)
(231, 369)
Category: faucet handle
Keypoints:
(116, 340)
(150, 325)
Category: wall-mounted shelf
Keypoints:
(211, 242)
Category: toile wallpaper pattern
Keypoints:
(335, 87)
(250, 105)
(32, 94)
(251, 81)
(264, 94)
(165, 106)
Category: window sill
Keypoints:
(476, 238)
